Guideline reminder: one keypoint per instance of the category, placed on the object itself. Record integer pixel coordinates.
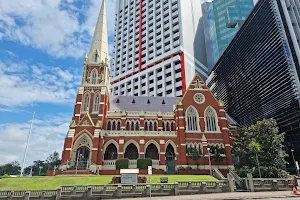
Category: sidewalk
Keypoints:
(231, 196)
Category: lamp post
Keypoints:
(297, 170)
(208, 149)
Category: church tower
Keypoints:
(92, 101)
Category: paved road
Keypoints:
(231, 196)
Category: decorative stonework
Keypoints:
(199, 98)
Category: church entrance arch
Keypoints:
(170, 159)
(82, 152)
(152, 152)
(131, 152)
(111, 152)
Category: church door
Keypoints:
(170, 160)
(82, 157)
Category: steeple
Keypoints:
(99, 48)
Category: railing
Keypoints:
(109, 165)
(155, 163)
(217, 174)
(143, 190)
(115, 133)
(132, 164)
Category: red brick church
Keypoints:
(105, 128)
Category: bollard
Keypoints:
(275, 185)
(161, 189)
(26, 196)
(204, 187)
(104, 189)
(176, 189)
(43, 195)
(58, 194)
(189, 187)
(119, 191)
(251, 184)
(230, 182)
(89, 193)
(148, 190)
(11, 194)
(74, 190)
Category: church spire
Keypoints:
(99, 48)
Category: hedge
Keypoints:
(122, 163)
(143, 163)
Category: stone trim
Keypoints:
(68, 149)
(79, 103)
(77, 115)
(166, 134)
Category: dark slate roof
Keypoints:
(231, 121)
(124, 103)
(141, 103)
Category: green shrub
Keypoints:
(122, 163)
(143, 163)
(5, 176)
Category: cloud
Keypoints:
(62, 28)
(47, 136)
(23, 84)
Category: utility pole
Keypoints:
(27, 142)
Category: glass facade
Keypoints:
(223, 19)
(257, 76)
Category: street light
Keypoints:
(297, 170)
(208, 149)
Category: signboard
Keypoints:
(129, 178)
(297, 165)
(149, 170)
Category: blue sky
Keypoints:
(42, 45)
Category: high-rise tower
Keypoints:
(157, 47)
(222, 19)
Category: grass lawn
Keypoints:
(39, 183)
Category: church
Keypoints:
(105, 128)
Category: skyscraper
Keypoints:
(257, 76)
(222, 19)
(156, 47)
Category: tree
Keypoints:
(12, 168)
(255, 147)
(194, 154)
(217, 153)
(260, 142)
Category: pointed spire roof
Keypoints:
(99, 47)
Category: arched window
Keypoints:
(137, 126)
(119, 126)
(127, 126)
(155, 126)
(132, 126)
(86, 102)
(94, 77)
(113, 126)
(163, 126)
(172, 126)
(191, 119)
(210, 120)
(108, 125)
(150, 126)
(96, 103)
(197, 84)
(167, 126)
(146, 126)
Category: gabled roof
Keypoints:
(124, 103)
(231, 121)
